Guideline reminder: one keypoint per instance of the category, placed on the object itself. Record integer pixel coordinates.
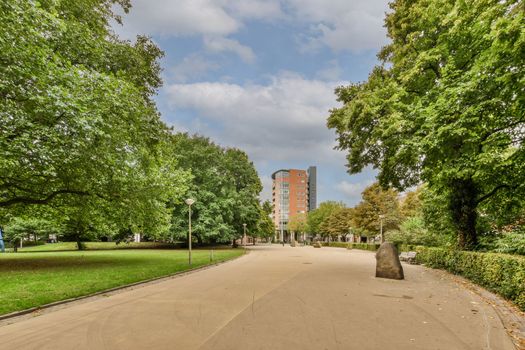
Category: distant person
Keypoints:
(2, 246)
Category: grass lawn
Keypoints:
(37, 278)
(95, 246)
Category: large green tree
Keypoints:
(77, 114)
(265, 227)
(338, 223)
(445, 107)
(376, 201)
(225, 186)
(317, 216)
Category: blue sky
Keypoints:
(260, 74)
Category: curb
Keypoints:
(116, 289)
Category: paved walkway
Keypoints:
(275, 298)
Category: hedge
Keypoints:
(500, 273)
(335, 244)
(364, 246)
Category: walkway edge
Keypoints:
(117, 289)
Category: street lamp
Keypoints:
(381, 217)
(189, 202)
(244, 238)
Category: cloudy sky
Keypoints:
(260, 75)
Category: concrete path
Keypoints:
(275, 298)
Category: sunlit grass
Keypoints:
(34, 279)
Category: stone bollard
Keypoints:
(387, 262)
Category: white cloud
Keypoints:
(284, 120)
(178, 18)
(191, 67)
(331, 72)
(255, 9)
(220, 44)
(353, 190)
(355, 25)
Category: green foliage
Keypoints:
(80, 130)
(298, 223)
(336, 244)
(338, 223)
(413, 231)
(411, 205)
(363, 246)
(375, 202)
(19, 228)
(318, 216)
(511, 243)
(225, 186)
(500, 273)
(444, 107)
(265, 227)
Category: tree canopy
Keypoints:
(318, 216)
(376, 202)
(82, 143)
(225, 186)
(445, 107)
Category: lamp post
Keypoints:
(381, 217)
(189, 202)
(244, 237)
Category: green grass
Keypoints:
(35, 279)
(63, 246)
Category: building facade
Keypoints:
(294, 192)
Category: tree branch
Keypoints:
(26, 200)
(493, 192)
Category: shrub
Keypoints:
(511, 243)
(413, 231)
(501, 273)
(364, 246)
(336, 244)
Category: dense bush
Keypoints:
(511, 243)
(414, 231)
(501, 273)
(336, 244)
(364, 246)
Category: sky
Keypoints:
(260, 75)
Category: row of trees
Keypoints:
(446, 108)
(83, 151)
(333, 219)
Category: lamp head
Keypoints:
(190, 201)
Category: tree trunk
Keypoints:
(463, 208)
(80, 246)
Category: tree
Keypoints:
(225, 186)
(265, 228)
(375, 202)
(77, 113)
(317, 216)
(411, 205)
(338, 223)
(298, 223)
(444, 106)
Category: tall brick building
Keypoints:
(294, 191)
